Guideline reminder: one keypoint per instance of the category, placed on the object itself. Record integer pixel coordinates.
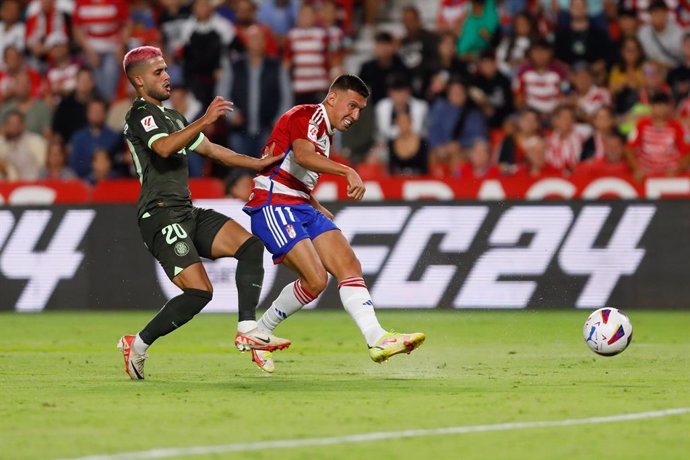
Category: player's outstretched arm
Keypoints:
(228, 157)
(173, 143)
(306, 156)
(319, 207)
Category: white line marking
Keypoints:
(369, 437)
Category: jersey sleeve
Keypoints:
(194, 143)
(300, 127)
(147, 125)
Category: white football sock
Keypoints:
(292, 298)
(246, 326)
(139, 345)
(357, 302)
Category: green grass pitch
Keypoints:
(64, 393)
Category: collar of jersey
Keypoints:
(159, 106)
(328, 123)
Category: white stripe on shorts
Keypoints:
(275, 231)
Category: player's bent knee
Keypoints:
(251, 251)
(194, 301)
(316, 284)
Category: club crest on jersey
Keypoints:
(313, 132)
(290, 231)
(148, 123)
(181, 249)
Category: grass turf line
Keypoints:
(64, 392)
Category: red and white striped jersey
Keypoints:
(564, 152)
(658, 148)
(595, 98)
(287, 182)
(39, 25)
(307, 50)
(102, 21)
(541, 90)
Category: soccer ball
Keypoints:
(607, 331)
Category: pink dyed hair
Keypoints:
(140, 54)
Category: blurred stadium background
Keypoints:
(518, 155)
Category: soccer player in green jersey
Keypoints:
(176, 232)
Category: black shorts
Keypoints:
(177, 237)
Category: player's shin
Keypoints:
(291, 299)
(249, 279)
(357, 302)
(175, 313)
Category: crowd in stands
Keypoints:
(533, 88)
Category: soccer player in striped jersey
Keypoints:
(299, 231)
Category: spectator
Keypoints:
(539, 84)
(478, 29)
(679, 77)
(448, 66)
(63, 68)
(418, 48)
(12, 29)
(454, 124)
(657, 146)
(662, 38)
(399, 100)
(628, 25)
(306, 55)
(407, 154)
(654, 82)
(261, 92)
(491, 90)
(144, 30)
(451, 14)
(56, 164)
(37, 114)
(96, 135)
(102, 29)
(70, 114)
(206, 37)
(22, 153)
(14, 65)
(512, 150)
(101, 167)
(586, 96)
(279, 15)
(582, 41)
(328, 17)
(377, 71)
(564, 144)
(535, 165)
(513, 49)
(172, 17)
(479, 164)
(245, 18)
(43, 18)
(611, 163)
(643, 8)
(239, 184)
(604, 125)
(626, 77)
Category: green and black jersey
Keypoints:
(164, 181)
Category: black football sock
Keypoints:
(175, 313)
(249, 277)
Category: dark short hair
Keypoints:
(660, 98)
(350, 82)
(658, 5)
(13, 113)
(384, 36)
(398, 81)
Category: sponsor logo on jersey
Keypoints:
(149, 123)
